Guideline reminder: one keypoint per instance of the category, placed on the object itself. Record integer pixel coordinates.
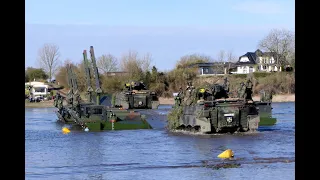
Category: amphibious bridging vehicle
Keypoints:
(91, 114)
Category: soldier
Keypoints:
(189, 92)
(249, 84)
(142, 85)
(226, 84)
(56, 98)
(60, 103)
(248, 90)
(70, 97)
(178, 99)
(128, 86)
(76, 103)
(241, 90)
(262, 95)
(268, 96)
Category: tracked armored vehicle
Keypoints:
(91, 114)
(211, 110)
(136, 96)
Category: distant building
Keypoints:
(37, 88)
(213, 68)
(257, 61)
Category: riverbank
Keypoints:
(42, 104)
(276, 98)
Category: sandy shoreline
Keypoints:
(276, 98)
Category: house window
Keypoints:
(205, 70)
(264, 60)
(245, 69)
(250, 69)
(264, 67)
(272, 61)
(39, 89)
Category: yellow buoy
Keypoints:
(226, 154)
(65, 130)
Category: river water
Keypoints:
(156, 153)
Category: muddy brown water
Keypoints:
(156, 153)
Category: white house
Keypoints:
(257, 61)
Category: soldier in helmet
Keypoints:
(262, 95)
(189, 92)
(179, 97)
(142, 85)
(241, 90)
(55, 101)
(248, 91)
(226, 84)
(76, 103)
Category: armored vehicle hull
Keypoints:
(210, 109)
(143, 99)
(99, 117)
(219, 116)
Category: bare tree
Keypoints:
(220, 62)
(188, 60)
(231, 56)
(129, 62)
(221, 56)
(48, 57)
(107, 63)
(145, 61)
(135, 65)
(281, 43)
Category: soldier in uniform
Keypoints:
(179, 97)
(55, 101)
(248, 91)
(69, 97)
(241, 90)
(189, 92)
(142, 86)
(76, 103)
(268, 96)
(262, 95)
(226, 85)
(60, 102)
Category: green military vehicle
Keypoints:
(211, 110)
(136, 96)
(91, 114)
